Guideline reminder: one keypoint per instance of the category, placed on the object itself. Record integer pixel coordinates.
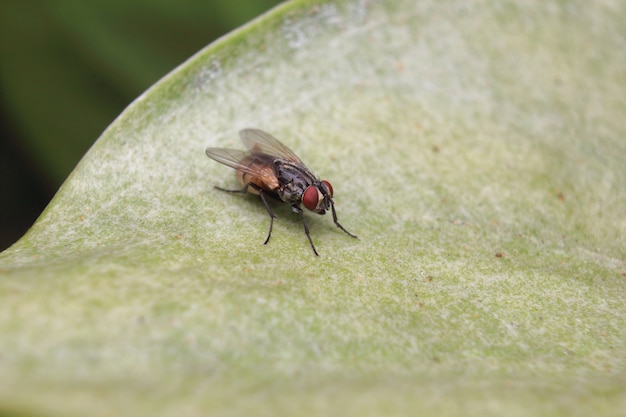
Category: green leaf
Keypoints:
(476, 149)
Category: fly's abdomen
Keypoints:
(261, 173)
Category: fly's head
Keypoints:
(318, 196)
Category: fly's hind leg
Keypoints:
(242, 191)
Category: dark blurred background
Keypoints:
(68, 68)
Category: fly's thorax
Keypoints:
(294, 179)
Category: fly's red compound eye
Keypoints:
(310, 197)
(330, 187)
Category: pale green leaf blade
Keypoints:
(476, 149)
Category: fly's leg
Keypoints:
(269, 211)
(262, 194)
(332, 206)
(242, 191)
(306, 227)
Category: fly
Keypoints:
(270, 169)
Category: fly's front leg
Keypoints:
(306, 228)
(332, 206)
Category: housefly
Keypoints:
(270, 169)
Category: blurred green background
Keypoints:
(68, 68)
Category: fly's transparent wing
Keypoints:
(230, 157)
(233, 158)
(258, 167)
(258, 141)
